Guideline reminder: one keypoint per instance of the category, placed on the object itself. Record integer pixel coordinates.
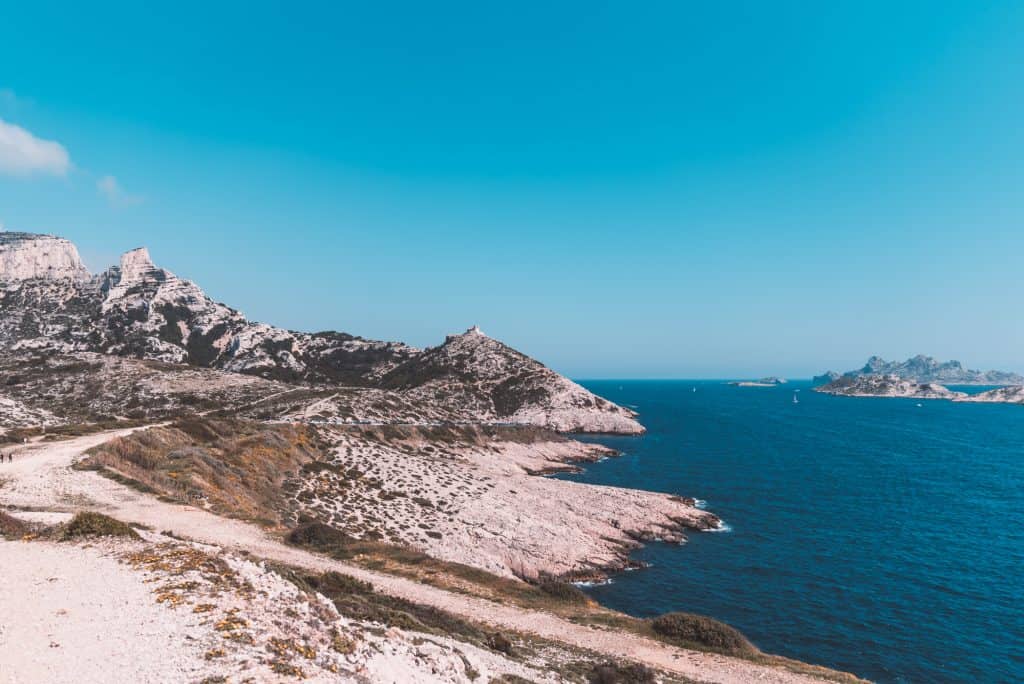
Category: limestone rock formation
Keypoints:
(49, 302)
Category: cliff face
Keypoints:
(24, 256)
(136, 309)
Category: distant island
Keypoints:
(887, 386)
(926, 369)
(771, 381)
(921, 377)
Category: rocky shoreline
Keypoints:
(482, 500)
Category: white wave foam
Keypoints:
(593, 583)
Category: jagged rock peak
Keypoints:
(24, 256)
(136, 263)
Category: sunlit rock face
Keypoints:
(24, 256)
(136, 309)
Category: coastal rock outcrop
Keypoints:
(887, 386)
(499, 384)
(1013, 394)
(770, 381)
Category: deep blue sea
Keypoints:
(871, 535)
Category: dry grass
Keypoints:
(236, 468)
(13, 528)
(550, 595)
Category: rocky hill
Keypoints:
(924, 369)
(501, 384)
(887, 386)
(1013, 394)
(50, 302)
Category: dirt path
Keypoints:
(41, 478)
(65, 614)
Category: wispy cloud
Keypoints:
(23, 154)
(115, 194)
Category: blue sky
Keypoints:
(674, 189)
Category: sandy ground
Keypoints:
(64, 615)
(167, 611)
(41, 478)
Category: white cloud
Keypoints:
(23, 154)
(115, 194)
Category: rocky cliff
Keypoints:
(49, 301)
(24, 256)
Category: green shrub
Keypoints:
(321, 537)
(686, 629)
(563, 591)
(620, 673)
(336, 584)
(96, 525)
(501, 643)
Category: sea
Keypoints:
(879, 536)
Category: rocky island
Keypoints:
(886, 386)
(919, 378)
(1013, 394)
(925, 369)
(771, 381)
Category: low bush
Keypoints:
(620, 673)
(88, 524)
(687, 629)
(13, 528)
(501, 643)
(563, 591)
(321, 537)
(336, 584)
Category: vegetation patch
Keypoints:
(558, 597)
(699, 631)
(358, 600)
(620, 673)
(89, 524)
(561, 590)
(234, 467)
(14, 528)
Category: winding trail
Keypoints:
(41, 479)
